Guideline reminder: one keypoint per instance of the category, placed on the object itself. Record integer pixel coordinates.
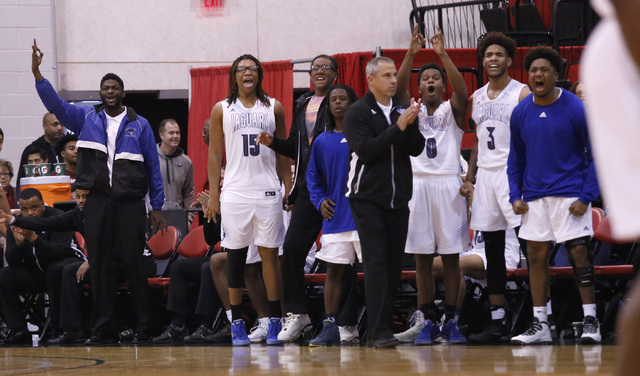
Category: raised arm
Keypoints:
(404, 73)
(459, 97)
(71, 116)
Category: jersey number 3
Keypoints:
(491, 144)
(249, 145)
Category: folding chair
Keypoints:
(163, 247)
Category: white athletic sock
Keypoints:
(497, 314)
(549, 311)
(589, 310)
(229, 316)
(540, 313)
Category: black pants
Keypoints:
(13, 281)
(304, 227)
(114, 230)
(74, 307)
(53, 277)
(192, 270)
(383, 234)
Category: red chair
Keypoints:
(597, 216)
(193, 245)
(164, 245)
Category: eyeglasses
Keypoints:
(315, 68)
(253, 68)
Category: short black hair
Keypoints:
(36, 149)
(64, 140)
(112, 76)
(431, 65)
(1, 132)
(29, 193)
(498, 38)
(547, 53)
(333, 61)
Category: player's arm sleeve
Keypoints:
(516, 162)
(591, 189)
(70, 116)
(316, 177)
(152, 167)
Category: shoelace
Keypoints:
(291, 319)
(535, 327)
(414, 319)
(589, 327)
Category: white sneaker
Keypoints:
(295, 326)
(410, 335)
(259, 331)
(590, 331)
(537, 334)
(349, 335)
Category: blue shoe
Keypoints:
(275, 326)
(329, 335)
(451, 333)
(239, 334)
(428, 334)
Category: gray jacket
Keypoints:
(177, 175)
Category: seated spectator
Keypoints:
(35, 260)
(36, 155)
(67, 149)
(6, 174)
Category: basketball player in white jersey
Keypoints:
(438, 214)
(250, 203)
(491, 212)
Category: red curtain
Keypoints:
(210, 85)
(351, 70)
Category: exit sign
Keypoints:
(212, 3)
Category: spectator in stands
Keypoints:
(578, 90)
(435, 198)
(117, 174)
(1, 138)
(53, 131)
(6, 174)
(35, 262)
(326, 180)
(552, 182)
(69, 153)
(36, 156)
(250, 203)
(382, 134)
(309, 121)
(491, 108)
(176, 168)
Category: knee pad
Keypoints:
(585, 277)
(579, 241)
(236, 259)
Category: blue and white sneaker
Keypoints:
(275, 326)
(428, 334)
(328, 336)
(451, 333)
(239, 334)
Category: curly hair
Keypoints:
(233, 85)
(500, 39)
(547, 53)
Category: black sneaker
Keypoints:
(18, 337)
(199, 335)
(497, 331)
(171, 334)
(98, 338)
(140, 337)
(222, 336)
(67, 337)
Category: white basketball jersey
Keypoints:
(251, 168)
(492, 119)
(441, 154)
